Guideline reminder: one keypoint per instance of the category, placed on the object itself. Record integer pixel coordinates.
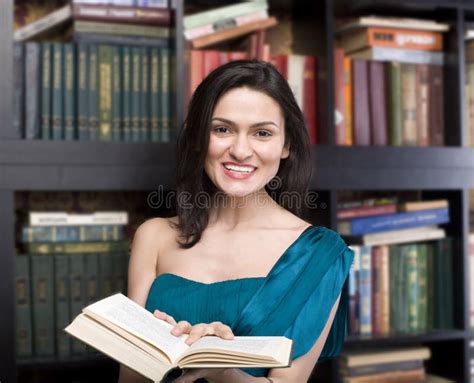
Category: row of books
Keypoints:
(52, 289)
(298, 70)
(94, 92)
(395, 365)
(401, 288)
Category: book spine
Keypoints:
(406, 39)
(384, 290)
(436, 106)
(116, 94)
(119, 272)
(91, 284)
(395, 266)
(408, 104)
(106, 277)
(102, 38)
(19, 88)
(394, 108)
(310, 97)
(366, 211)
(378, 122)
(399, 221)
(105, 92)
(365, 289)
(93, 93)
(126, 95)
(135, 93)
(339, 96)
(122, 14)
(361, 103)
(381, 367)
(64, 219)
(422, 74)
(46, 91)
(376, 297)
(412, 277)
(165, 94)
(408, 56)
(24, 333)
(63, 317)
(422, 286)
(173, 97)
(71, 233)
(42, 269)
(75, 247)
(83, 92)
(145, 95)
(77, 273)
(431, 292)
(58, 92)
(348, 102)
(69, 92)
(354, 292)
(154, 95)
(122, 29)
(32, 97)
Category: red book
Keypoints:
(309, 97)
(366, 211)
(339, 96)
(378, 112)
(211, 61)
(120, 14)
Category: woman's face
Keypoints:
(246, 142)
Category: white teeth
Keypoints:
(242, 169)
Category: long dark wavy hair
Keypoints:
(294, 173)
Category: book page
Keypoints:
(268, 346)
(135, 319)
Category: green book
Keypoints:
(46, 91)
(126, 94)
(77, 247)
(119, 273)
(412, 287)
(395, 272)
(422, 250)
(91, 275)
(173, 119)
(106, 275)
(24, 333)
(116, 93)
(63, 315)
(155, 101)
(93, 93)
(42, 272)
(105, 92)
(394, 108)
(165, 94)
(58, 92)
(145, 95)
(135, 94)
(77, 294)
(69, 92)
(444, 255)
(431, 283)
(82, 91)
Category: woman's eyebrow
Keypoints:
(256, 125)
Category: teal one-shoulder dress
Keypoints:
(293, 300)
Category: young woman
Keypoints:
(237, 259)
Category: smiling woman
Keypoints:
(240, 260)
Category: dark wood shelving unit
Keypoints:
(116, 166)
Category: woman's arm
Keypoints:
(141, 273)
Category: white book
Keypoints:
(295, 76)
(392, 22)
(412, 56)
(66, 219)
(43, 24)
(392, 237)
(128, 333)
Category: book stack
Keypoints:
(389, 82)
(398, 365)
(94, 92)
(401, 281)
(204, 28)
(299, 70)
(122, 22)
(69, 260)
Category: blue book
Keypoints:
(365, 290)
(360, 226)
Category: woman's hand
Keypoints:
(197, 331)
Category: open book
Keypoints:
(128, 333)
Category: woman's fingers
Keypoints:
(181, 327)
(224, 331)
(215, 328)
(163, 316)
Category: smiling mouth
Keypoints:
(239, 169)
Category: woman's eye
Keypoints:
(264, 133)
(220, 129)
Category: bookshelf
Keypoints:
(116, 166)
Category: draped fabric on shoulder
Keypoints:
(298, 294)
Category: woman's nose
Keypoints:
(241, 147)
